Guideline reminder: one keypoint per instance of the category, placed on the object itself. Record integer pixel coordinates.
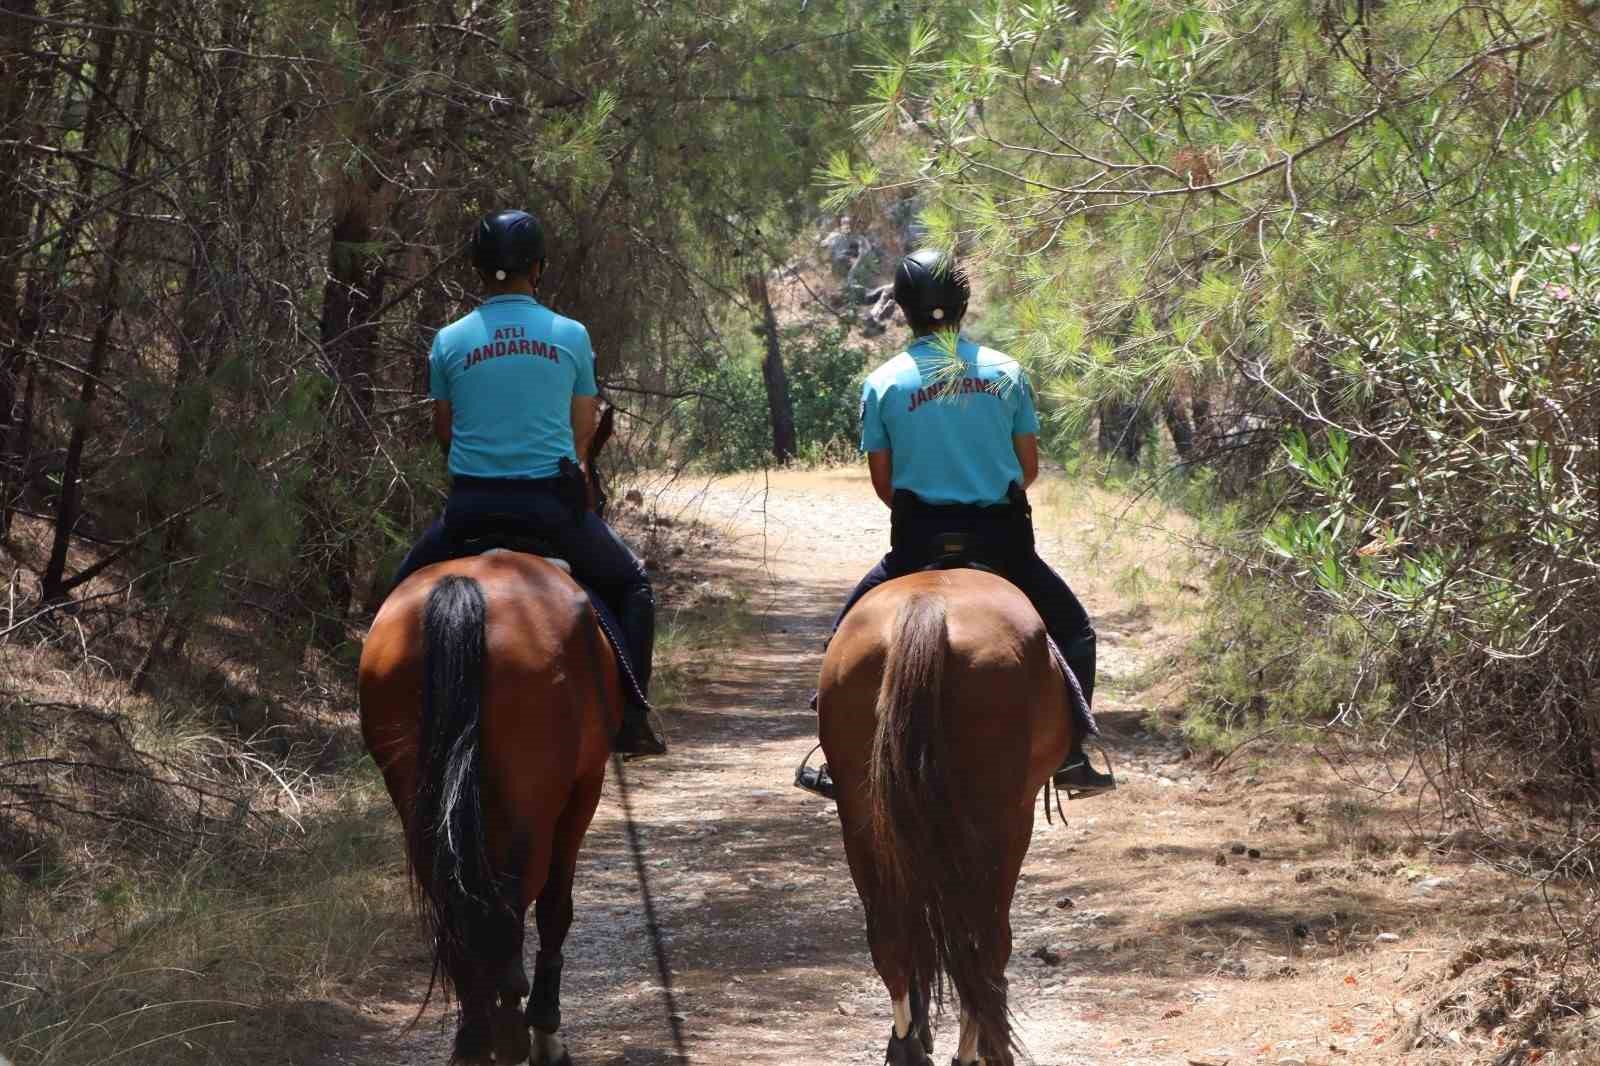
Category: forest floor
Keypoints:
(1272, 910)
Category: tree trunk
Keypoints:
(42, 287)
(352, 297)
(357, 273)
(54, 584)
(1123, 427)
(1179, 425)
(15, 39)
(780, 405)
(350, 303)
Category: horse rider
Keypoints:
(951, 437)
(514, 405)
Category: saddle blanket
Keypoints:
(1080, 706)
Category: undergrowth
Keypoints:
(195, 939)
(1267, 664)
(212, 872)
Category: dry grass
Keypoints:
(700, 613)
(197, 874)
(208, 962)
(194, 940)
(211, 872)
(173, 892)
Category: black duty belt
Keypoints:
(909, 503)
(507, 484)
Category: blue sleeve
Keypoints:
(874, 435)
(438, 383)
(583, 355)
(1024, 419)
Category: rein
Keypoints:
(603, 431)
(652, 925)
(636, 850)
(1048, 785)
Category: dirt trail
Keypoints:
(1140, 938)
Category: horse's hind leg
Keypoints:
(509, 1034)
(553, 914)
(991, 1044)
(920, 988)
(480, 1037)
(910, 1041)
(967, 1046)
(972, 1043)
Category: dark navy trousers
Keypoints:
(598, 557)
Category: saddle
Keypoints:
(503, 532)
(483, 534)
(961, 551)
(966, 551)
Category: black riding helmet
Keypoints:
(931, 288)
(507, 244)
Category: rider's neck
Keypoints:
(522, 286)
(954, 327)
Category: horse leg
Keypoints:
(553, 913)
(967, 1047)
(907, 1045)
(978, 1048)
(476, 1037)
(985, 1045)
(910, 1041)
(513, 981)
(919, 1013)
(910, 1038)
(509, 1036)
(491, 1029)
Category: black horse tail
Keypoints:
(460, 898)
(932, 860)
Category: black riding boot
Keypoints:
(1075, 775)
(640, 733)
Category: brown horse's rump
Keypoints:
(942, 713)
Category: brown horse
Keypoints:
(489, 696)
(942, 713)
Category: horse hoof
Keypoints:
(906, 1052)
(509, 1036)
(472, 1046)
(549, 1050)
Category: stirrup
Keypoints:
(638, 737)
(814, 779)
(1096, 783)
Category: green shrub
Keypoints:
(1270, 662)
(728, 428)
(1452, 494)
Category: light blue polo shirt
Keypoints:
(948, 418)
(510, 370)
